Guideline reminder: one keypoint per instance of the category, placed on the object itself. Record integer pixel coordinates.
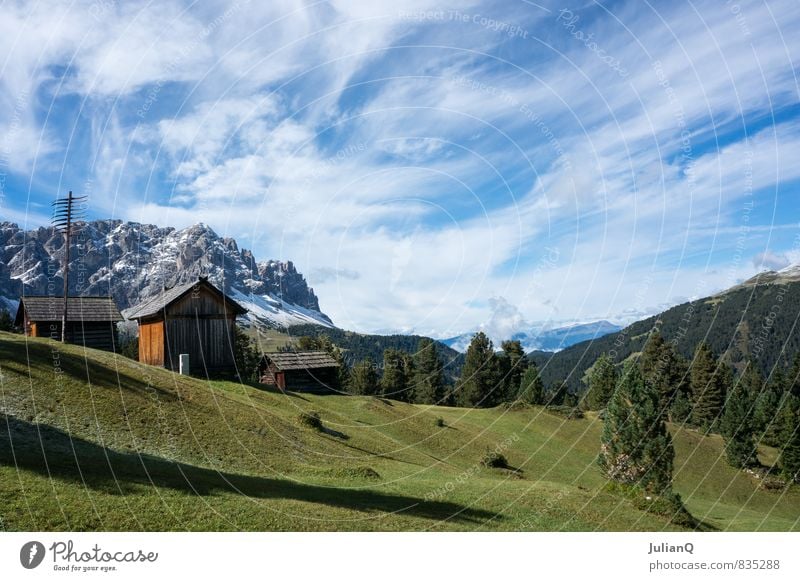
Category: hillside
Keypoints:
(756, 319)
(133, 262)
(93, 441)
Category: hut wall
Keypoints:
(92, 334)
(151, 343)
(207, 339)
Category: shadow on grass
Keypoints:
(75, 366)
(53, 453)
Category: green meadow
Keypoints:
(95, 441)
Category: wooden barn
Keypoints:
(196, 319)
(302, 371)
(91, 321)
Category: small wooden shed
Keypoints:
(197, 319)
(302, 371)
(91, 321)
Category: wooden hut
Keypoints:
(197, 319)
(302, 371)
(91, 321)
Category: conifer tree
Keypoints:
(427, 384)
(6, 322)
(708, 381)
(790, 432)
(513, 365)
(363, 378)
(601, 382)
(557, 394)
(767, 417)
(397, 370)
(663, 367)
(737, 427)
(531, 390)
(479, 376)
(635, 445)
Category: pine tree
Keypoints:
(635, 445)
(363, 378)
(681, 408)
(601, 381)
(531, 389)
(790, 435)
(480, 379)
(397, 370)
(736, 427)
(557, 395)
(245, 355)
(766, 417)
(662, 367)
(513, 365)
(427, 384)
(708, 381)
(793, 381)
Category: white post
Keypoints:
(183, 363)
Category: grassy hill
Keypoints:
(94, 441)
(757, 319)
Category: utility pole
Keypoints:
(63, 216)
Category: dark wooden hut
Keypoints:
(197, 319)
(302, 371)
(91, 321)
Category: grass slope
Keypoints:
(94, 441)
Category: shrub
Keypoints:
(310, 420)
(439, 423)
(569, 412)
(494, 459)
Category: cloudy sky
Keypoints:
(431, 167)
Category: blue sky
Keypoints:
(429, 167)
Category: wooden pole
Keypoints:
(66, 268)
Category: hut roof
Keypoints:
(159, 302)
(50, 308)
(289, 360)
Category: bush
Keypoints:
(494, 459)
(310, 420)
(569, 412)
(439, 423)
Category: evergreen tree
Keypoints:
(635, 445)
(681, 408)
(793, 381)
(736, 427)
(531, 389)
(245, 355)
(6, 322)
(557, 394)
(790, 432)
(428, 376)
(766, 417)
(480, 379)
(663, 367)
(397, 370)
(601, 382)
(513, 365)
(708, 381)
(363, 378)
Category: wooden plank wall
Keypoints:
(151, 343)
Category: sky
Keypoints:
(429, 167)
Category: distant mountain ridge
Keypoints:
(758, 319)
(133, 262)
(543, 338)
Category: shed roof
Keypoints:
(50, 308)
(301, 360)
(159, 302)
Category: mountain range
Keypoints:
(133, 262)
(754, 320)
(543, 337)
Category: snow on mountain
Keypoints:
(133, 262)
(543, 337)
